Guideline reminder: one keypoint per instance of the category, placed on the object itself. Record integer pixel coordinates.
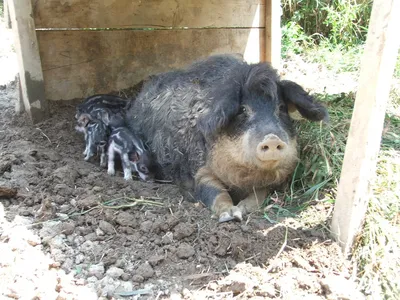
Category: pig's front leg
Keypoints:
(211, 191)
(89, 149)
(126, 165)
(102, 150)
(111, 157)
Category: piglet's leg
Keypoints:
(111, 157)
(211, 191)
(126, 165)
(89, 149)
(253, 201)
(102, 148)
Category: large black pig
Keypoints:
(221, 130)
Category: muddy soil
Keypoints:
(74, 232)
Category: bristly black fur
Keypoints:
(181, 113)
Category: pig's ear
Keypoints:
(297, 99)
(216, 114)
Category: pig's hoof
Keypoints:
(103, 165)
(111, 172)
(127, 178)
(234, 214)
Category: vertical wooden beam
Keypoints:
(273, 32)
(366, 127)
(6, 13)
(30, 67)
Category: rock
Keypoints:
(106, 227)
(49, 230)
(91, 237)
(66, 175)
(87, 247)
(88, 202)
(125, 219)
(168, 238)
(336, 287)
(114, 272)
(145, 270)
(185, 251)
(125, 276)
(80, 258)
(57, 242)
(97, 189)
(124, 286)
(96, 270)
(137, 278)
(155, 260)
(68, 228)
(99, 232)
(183, 230)
(146, 226)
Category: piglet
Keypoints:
(96, 137)
(132, 152)
(111, 102)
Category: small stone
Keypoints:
(57, 242)
(185, 251)
(137, 278)
(125, 286)
(125, 219)
(183, 230)
(96, 270)
(114, 272)
(167, 238)
(120, 263)
(146, 226)
(80, 258)
(155, 260)
(106, 227)
(87, 202)
(68, 228)
(125, 276)
(99, 232)
(91, 236)
(97, 189)
(145, 270)
(87, 247)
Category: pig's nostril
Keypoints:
(279, 147)
(265, 148)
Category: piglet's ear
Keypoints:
(297, 99)
(224, 106)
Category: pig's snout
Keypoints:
(271, 148)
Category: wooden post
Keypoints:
(6, 13)
(366, 127)
(273, 32)
(30, 68)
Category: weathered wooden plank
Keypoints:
(6, 13)
(367, 121)
(77, 64)
(30, 69)
(150, 13)
(273, 32)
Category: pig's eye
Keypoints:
(242, 110)
(282, 107)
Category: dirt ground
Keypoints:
(59, 240)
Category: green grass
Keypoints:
(377, 251)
